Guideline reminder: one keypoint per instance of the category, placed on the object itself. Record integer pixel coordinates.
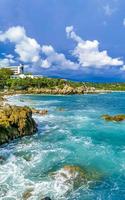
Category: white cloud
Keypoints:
(5, 62)
(30, 52)
(56, 59)
(27, 48)
(88, 53)
(109, 10)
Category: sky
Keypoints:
(81, 40)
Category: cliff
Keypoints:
(15, 122)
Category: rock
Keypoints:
(40, 112)
(15, 122)
(25, 155)
(61, 109)
(27, 194)
(46, 198)
(74, 176)
(116, 118)
(2, 159)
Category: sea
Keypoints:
(73, 133)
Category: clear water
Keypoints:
(76, 136)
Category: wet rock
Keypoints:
(25, 155)
(74, 176)
(46, 198)
(61, 109)
(15, 122)
(27, 194)
(40, 112)
(2, 159)
(115, 118)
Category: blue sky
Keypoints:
(92, 48)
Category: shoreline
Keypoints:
(53, 92)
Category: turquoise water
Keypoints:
(76, 136)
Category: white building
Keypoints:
(17, 70)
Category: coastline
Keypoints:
(52, 92)
(38, 148)
(5, 100)
(15, 121)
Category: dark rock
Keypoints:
(2, 159)
(46, 198)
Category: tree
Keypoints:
(5, 74)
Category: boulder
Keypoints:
(115, 118)
(40, 112)
(74, 176)
(15, 122)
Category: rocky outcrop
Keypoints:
(15, 122)
(74, 176)
(115, 118)
(40, 112)
(65, 90)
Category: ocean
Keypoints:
(73, 133)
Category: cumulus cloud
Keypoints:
(89, 54)
(31, 52)
(27, 48)
(6, 62)
(56, 59)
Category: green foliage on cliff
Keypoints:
(107, 86)
(6, 81)
(15, 122)
(5, 74)
(39, 83)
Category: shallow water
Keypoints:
(76, 136)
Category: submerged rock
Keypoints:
(15, 121)
(116, 118)
(27, 194)
(61, 109)
(25, 155)
(2, 159)
(46, 198)
(72, 177)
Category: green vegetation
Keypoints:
(49, 83)
(7, 82)
(5, 74)
(107, 86)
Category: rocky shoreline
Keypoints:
(66, 90)
(15, 122)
